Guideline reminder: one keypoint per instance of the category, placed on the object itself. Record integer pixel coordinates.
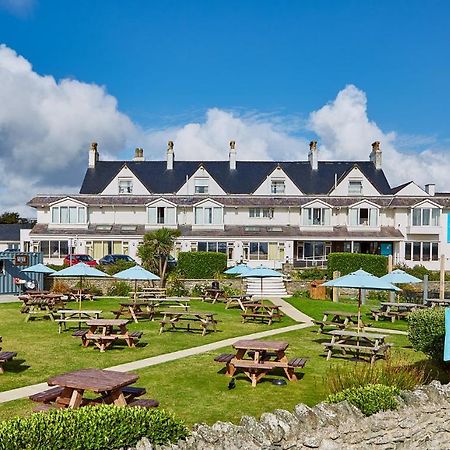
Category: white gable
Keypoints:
(161, 202)
(278, 175)
(427, 204)
(188, 187)
(209, 203)
(364, 204)
(316, 204)
(67, 201)
(368, 189)
(125, 173)
(411, 189)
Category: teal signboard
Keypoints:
(386, 248)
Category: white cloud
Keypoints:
(20, 8)
(46, 126)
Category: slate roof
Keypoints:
(10, 232)
(247, 177)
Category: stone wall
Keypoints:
(421, 422)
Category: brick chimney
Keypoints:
(170, 155)
(232, 155)
(376, 154)
(313, 155)
(93, 155)
(138, 154)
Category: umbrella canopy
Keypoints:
(238, 270)
(261, 272)
(361, 280)
(39, 268)
(136, 273)
(80, 270)
(400, 277)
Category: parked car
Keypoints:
(70, 260)
(171, 261)
(112, 259)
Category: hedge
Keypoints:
(90, 428)
(427, 331)
(349, 262)
(369, 399)
(201, 264)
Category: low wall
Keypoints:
(421, 422)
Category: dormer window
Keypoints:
(125, 186)
(201, 185)
(208, 215)
(355, 187)
(161, 215)
(425, 217)
(277, 187)
(316, 216)
(69, 214)
(366, 217)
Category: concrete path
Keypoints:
(7, 298)
(24, 392)
(291, 311)
(385, 331)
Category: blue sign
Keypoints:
(386, 248)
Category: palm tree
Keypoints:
(155, 250)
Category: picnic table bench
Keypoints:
(76, 295)
(394, 311)
(257, 358)
(337, 319)
(78, 316)
(5, 357)
(38, 307)
(436, 302)
(111, 387)
(359, 343)
(103, 333)
(214, 295)
(175, 320)
(261, 311)
(134, 310)
(238, 300)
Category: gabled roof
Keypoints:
(244, 180)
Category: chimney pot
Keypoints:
(313, 155)
(138, 154)
(430, 189)
(376, 155)
(93, 155)
(232, 155)
(170, 155)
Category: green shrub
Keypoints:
(199, 289)
(112, 269)
(119, 289)
(314, 273)
(175, 287)
(349, 262)
(301, 293)
(426, 329)
(201, 264)
(90, 428)
(398, 372)
(370, 399)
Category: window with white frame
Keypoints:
(125, 186)
(201, 185)
(260, 212)
(316, 216)
(367, 217)
(220, 247)
(425, 217)
(161, 215)
(355, 187)
(421, 251)
(69, 214)
(277, 187)
(54, 249)
(208, 215)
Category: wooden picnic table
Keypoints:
(257, 358)
(111, 387)
(436, 302)
(338, 319)
(261, 311)
(134, 310)
(38, 307)
(214, 295)
(205, 320)
(75, 316)
(153, 292)
(75, 296)
(394, 310)
(238, 300)
(103, 333)
(171, 302)
(5, 357)
(358, 343)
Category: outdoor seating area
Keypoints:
(338, 319)
(394, 310)
(261, 312)
(189, 321)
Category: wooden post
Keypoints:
(391, 294)
(336, 274)
(425, 289)
(442, 279)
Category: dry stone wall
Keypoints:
(421, 422)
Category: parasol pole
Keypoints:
(81, 290)
(135, 290)
(359, 309)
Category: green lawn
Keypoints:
(315, 309)
(43, 352)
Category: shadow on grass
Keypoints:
(15, 366)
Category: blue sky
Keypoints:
(170, 60)
(269, 74)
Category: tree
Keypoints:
(10, 217)
(155, 250)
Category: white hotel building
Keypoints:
(265, 212)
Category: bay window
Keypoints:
(421, 251)
(206, 215)
(424, 217)
(161, 215)
(367, 217)
(68, 214)
(316, 216)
